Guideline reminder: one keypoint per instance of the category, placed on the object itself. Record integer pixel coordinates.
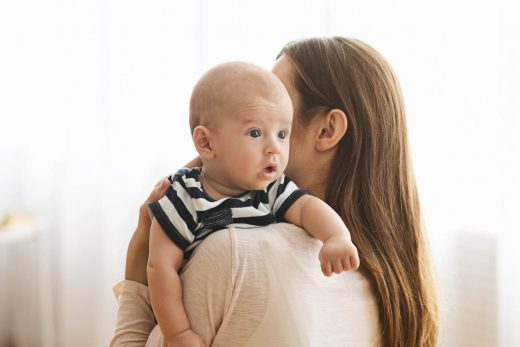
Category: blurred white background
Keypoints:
(93, 111)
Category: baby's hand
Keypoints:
(187, 338)
(338, 254)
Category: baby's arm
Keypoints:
(164, 263)
(322, 222)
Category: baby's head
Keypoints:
(240, 118)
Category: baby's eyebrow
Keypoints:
(259, 121)
(249, 120)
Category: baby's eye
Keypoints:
(282, 134)
(255, 133)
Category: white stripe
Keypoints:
(201, 204)
(243, 226)
(176, 219)
(192, 246)
(271, 194)
(191, 182)
(250, 211)
(289, 189)
(185, 198)
(204, 232)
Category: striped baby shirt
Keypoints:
(187, 214)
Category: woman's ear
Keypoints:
(202, 140)
(331, 128)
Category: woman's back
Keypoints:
(264, 287)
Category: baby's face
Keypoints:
(252, 142)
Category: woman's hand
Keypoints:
(187, 338)
(195, 162)
(137, 255)
(144, 222)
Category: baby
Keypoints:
(240, 118)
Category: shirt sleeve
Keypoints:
(172, 212)
(281, 194)
(135, 319)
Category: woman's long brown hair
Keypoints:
(372, 184)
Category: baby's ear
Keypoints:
(202, 140)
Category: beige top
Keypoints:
(258, 287)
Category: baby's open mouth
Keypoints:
(270, 169)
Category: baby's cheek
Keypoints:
(284, 164)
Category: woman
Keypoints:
(349, 147)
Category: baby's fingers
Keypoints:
(346, 263)
(326, 268)
(354, 261)
(337, 267)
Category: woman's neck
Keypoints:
(313, 179)
(319, 191)
(314, 184)
(316, 178)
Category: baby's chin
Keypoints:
(261, 185)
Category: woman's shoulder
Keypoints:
(288, 251)
(278, 265)
(282, 250)
(271, 277)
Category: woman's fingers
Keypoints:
(137, 256)
(159, 183)
(159, 190)
(195, 162)
(157, 193)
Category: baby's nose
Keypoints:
(273, 147)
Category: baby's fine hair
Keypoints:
(223, 85)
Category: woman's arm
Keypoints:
(135, 318)
(137, 254)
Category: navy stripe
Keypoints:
(194, 192)
(192, 173)
(270, 186)
(291, 199)
(200, 238)
(260, 197)
(187, 255)
(260, 220)
(167, 226)
(282, 186)
(197, 193)
(226, 204)
(219, 217)
(181, 209)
